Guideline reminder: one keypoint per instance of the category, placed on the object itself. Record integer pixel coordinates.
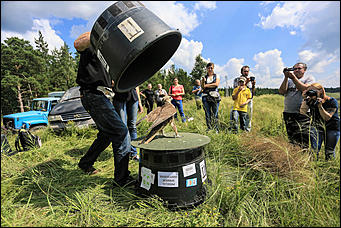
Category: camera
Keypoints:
(288, 69)
(311, 93)
(252, 79)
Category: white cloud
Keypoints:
(211, 5)
(331, 80)
(50, 36)
(292, 33)
(18, 15)
(174, 14)
(231, 69)
(319, 25)
(184, 57)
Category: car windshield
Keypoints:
(72, 93)
(38, 105)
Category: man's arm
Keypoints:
(82, 42)
(283, 89)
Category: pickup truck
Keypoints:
(34, 119)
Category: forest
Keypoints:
(29, 72)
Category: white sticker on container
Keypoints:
(189, 170)
(147, 178)
(130, 29)
(168, 179)
(191, 182)
(203, 170)
(104, 63)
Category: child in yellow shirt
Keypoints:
(241, 96)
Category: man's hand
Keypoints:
(290, 74)
(82, 42)
(241, 88)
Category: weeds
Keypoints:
(258, 179)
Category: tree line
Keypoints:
(29, 72)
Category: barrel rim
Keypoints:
(161, 36)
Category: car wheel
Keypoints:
(38, 127)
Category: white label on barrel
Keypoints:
(130, 29)
(189, 170)
(104, 63)
(203, 170)
(147, 178)
(168, 179)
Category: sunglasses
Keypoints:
(298, 68)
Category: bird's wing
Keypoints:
(167, 111)
(150, 117)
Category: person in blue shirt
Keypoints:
(197, 91)
(325, 121)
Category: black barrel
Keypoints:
(176, 171)
(132, 43)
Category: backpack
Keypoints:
(27, 140)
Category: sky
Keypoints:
(267, 36)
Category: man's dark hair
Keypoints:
(241, 70)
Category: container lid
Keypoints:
(170, 143)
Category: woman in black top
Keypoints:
(325, 122)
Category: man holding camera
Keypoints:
(294, 83)
(251, 84)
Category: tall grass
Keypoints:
(258, 179)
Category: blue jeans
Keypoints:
(178, 105)
(211, 113)
(243, 120)
(249, 116)
(330, 139)
(128, 113)
(111, 129)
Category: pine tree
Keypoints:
(199, 69)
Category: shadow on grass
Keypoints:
(79, 152)
(53, 182)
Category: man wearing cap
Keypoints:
(241, 97)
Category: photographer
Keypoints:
(294, 83)
(251, 84)
(325, 122)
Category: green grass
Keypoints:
(258, 179)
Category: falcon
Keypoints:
(160, 117)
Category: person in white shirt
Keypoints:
(294, 83)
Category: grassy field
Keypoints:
(258, 179)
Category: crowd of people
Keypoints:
(310, 116)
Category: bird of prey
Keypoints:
(160, 117)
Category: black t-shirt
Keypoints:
(149, 94)
(91, 72)
(333, 123)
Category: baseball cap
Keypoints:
(242, 79)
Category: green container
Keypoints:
(174, 169)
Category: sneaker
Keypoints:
(130, 181)
(90, 171)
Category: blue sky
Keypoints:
(267, 36)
